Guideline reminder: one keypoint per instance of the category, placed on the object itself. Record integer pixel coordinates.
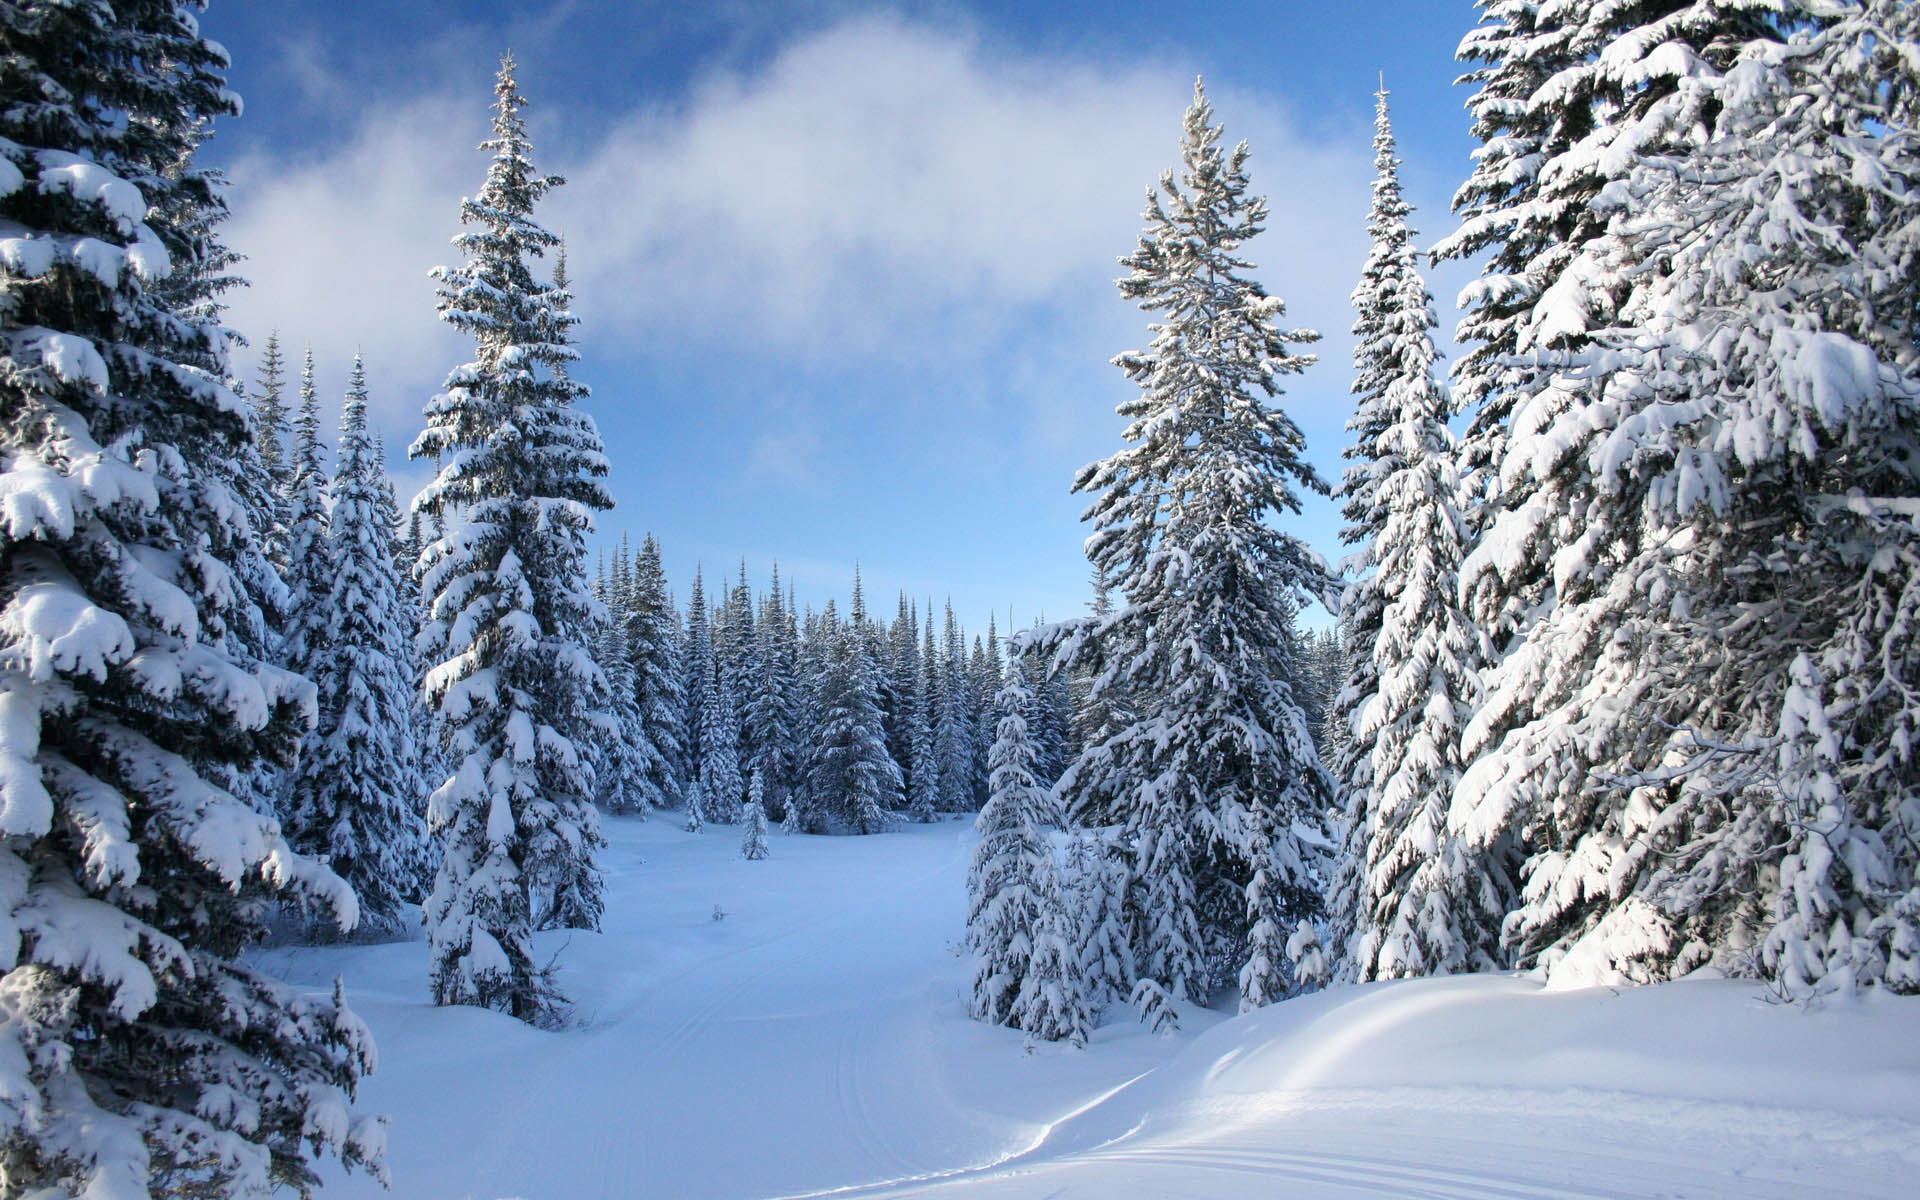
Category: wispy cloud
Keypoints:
(876, 191)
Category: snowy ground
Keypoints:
(814, 1043)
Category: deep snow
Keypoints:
(814, 1042)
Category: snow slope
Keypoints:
(813, 1042)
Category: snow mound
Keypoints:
(1493, 1085)
(815, 1043)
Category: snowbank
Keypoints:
(814, 1042)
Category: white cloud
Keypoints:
(878, 193)
(888, 189)
(338, 249)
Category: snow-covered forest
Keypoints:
(442, 842)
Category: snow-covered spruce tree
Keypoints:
(923, 798)
(954, 722)
(140, 1057)
(653, 639)
(1409, 898)
(1706, 730)
(852, 779)
(806, 810)
(720, 783)
(1052, 1004)
(1025, 973)
(509, 610)
(1097, 883)
(696, 808)
(270, 410)
(422, 755)
(192, 291)
(983, 682)
(352, 798)
(903, 678)
(1216, 775)
(305, 572)
(753, 835)
(620, 769)
(1567, 100)
(696, 670)
(769, 712)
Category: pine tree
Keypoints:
(954, 723)
(622, 775)
(851, 776)
(696, 667)
(352, 798)
(515, 684)
(924, 763)
(902, 697)
(1099, 881)
(1024, 974)
(306, 567)
(270, 432)
(770, 702)
(140, 1055)
(1052, 1004)
(654, 643)
(720, 784)
(1565, 104)
(807, 809)
(1411, 899)
(271, 408)
(753, 839)
(1734, 586)
(1216, 776)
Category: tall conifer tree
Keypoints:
(1217, 774)
(353, 800)
(139, 1055)
(508, 618)
(1412, 899)
(1700, 737)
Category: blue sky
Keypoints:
(845, 270)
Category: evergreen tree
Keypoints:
(753, 839)
(983, 681)
(1411, 899)
(140, 1055)
(720, 785)
(806, 808)
(770, 702)
(654, 644)
(1016, 917)
(954, 725)
(270, 407)
(1100, 883)
(902, 696)
(1052, 1004)
(1216, 778)
(270, 433)
(516, 687)
(622, 774)
(306, 567)
(924, 763)
(696, 666)
(1565, 105)
(1699, 736)
(851, 776)
(352, 798)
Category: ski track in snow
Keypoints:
(814, 1044)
